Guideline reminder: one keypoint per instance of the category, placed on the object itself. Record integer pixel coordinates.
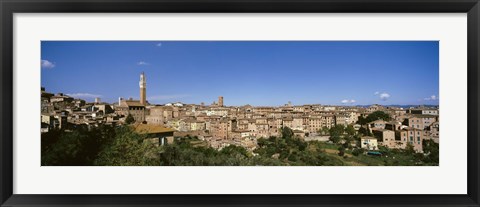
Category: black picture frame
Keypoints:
(10, 7)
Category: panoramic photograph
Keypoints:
(239, 103)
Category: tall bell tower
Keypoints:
(143, 89)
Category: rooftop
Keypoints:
(368, 137)
(151, 129)
(133, 103)
(424, 116)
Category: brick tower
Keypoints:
(143, 89)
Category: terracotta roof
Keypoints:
(424, 108)
(151, 129)
(411, 129)
(133, 103)
(424, 116)
(244, 130)
(327, 115)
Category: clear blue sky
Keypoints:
(246, 72)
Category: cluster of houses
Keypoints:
(221, 125)
(409, 128)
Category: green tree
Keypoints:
(337, 130)
(377, 115)
(129, 119)
(78, 147)
(409, 149)
(128, 149)
(347, 142)
(232, 149)
(357, 151)
(335, 139)
(431, 151)
(324, 131)
(350, 130)
(287, 133)
(364, 131)
(341, 151)
(361, 120)
(66, 151)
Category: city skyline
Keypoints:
(258, 73)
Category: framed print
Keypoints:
(241, 103)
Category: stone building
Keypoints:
(132, 107)
(136, 108)
(157, 134)
(385, 136)
(220, 101)
(369, 143)
(412, 136)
